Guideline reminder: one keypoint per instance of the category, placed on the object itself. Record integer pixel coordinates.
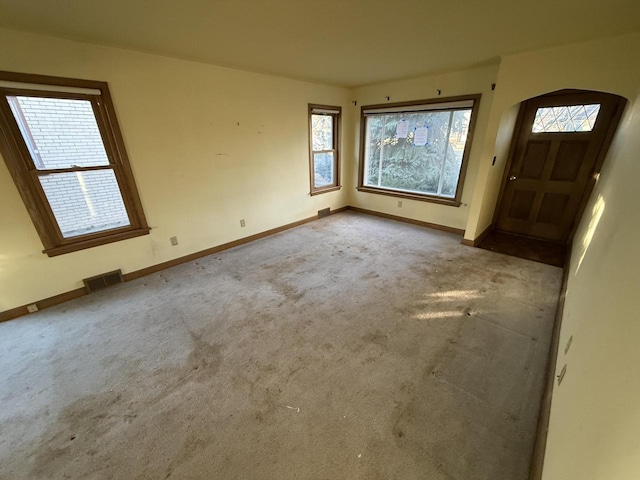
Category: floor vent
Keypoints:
(325, 212)
(102, 281)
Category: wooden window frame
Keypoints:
(25, 174)
(456, 200)
(315, 109)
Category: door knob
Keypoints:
(512, 177)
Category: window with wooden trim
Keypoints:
(62, 144)
(324, 154)
(417, 150)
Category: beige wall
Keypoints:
(595, 415)
(595, 422)
(197, 170)
(452, 84)
(608, 65)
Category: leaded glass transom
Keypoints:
(570, 118)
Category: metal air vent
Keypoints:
(102, 281)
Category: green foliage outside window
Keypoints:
(396, 163)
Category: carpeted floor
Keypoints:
(349, 348)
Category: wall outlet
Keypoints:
(32, 308)
(242, 224)
(174, 241)
(561, 375)
(400, 203)
(569, 342)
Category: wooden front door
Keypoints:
(559, 144)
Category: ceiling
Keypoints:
(341, 42)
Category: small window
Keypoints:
(417, 150)
(66, 155)
(570, 118)
(324, 139)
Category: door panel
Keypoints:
(550, 169)
(568, 161)
(535, 157)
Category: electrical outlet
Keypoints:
(400, 203)
(174, 241)
(32, 308)
(569, 342)
(242, 224)
(561, 375)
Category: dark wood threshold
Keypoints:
(476, 241)
(519, 246)
(421, 223)
(540, 446)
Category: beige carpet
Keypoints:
(349, 348)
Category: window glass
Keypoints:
(570, 118)
(323, 173)
(324, 125)
(68, 161)
(322, 129)
(59, 133)
(85, 202)
(397, 157)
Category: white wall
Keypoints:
(595, 415)
(208, 146)
(452, 84)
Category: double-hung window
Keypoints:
(417, 150)
(63, 147)
(324, 141)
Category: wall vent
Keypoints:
(325, 212)
(102, 281)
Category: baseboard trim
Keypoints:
(219, 248)
(127, 277)
(476, 241)
(542, 431)
(42, 304)
(70, 295)
(421, 223)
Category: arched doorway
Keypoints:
(558, 147)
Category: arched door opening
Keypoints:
(558, 147)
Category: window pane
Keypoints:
(323, 169)
(457, 142)
(570, 118)
(322, 132)
(85, 202)
(372, 150)
(399, 164)
(59, 133)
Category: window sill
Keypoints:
(331, 188)
(95, 242)
(452, 202)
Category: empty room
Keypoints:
(319, 240)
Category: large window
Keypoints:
(418, 149)
(64, 150)
(324, 139)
